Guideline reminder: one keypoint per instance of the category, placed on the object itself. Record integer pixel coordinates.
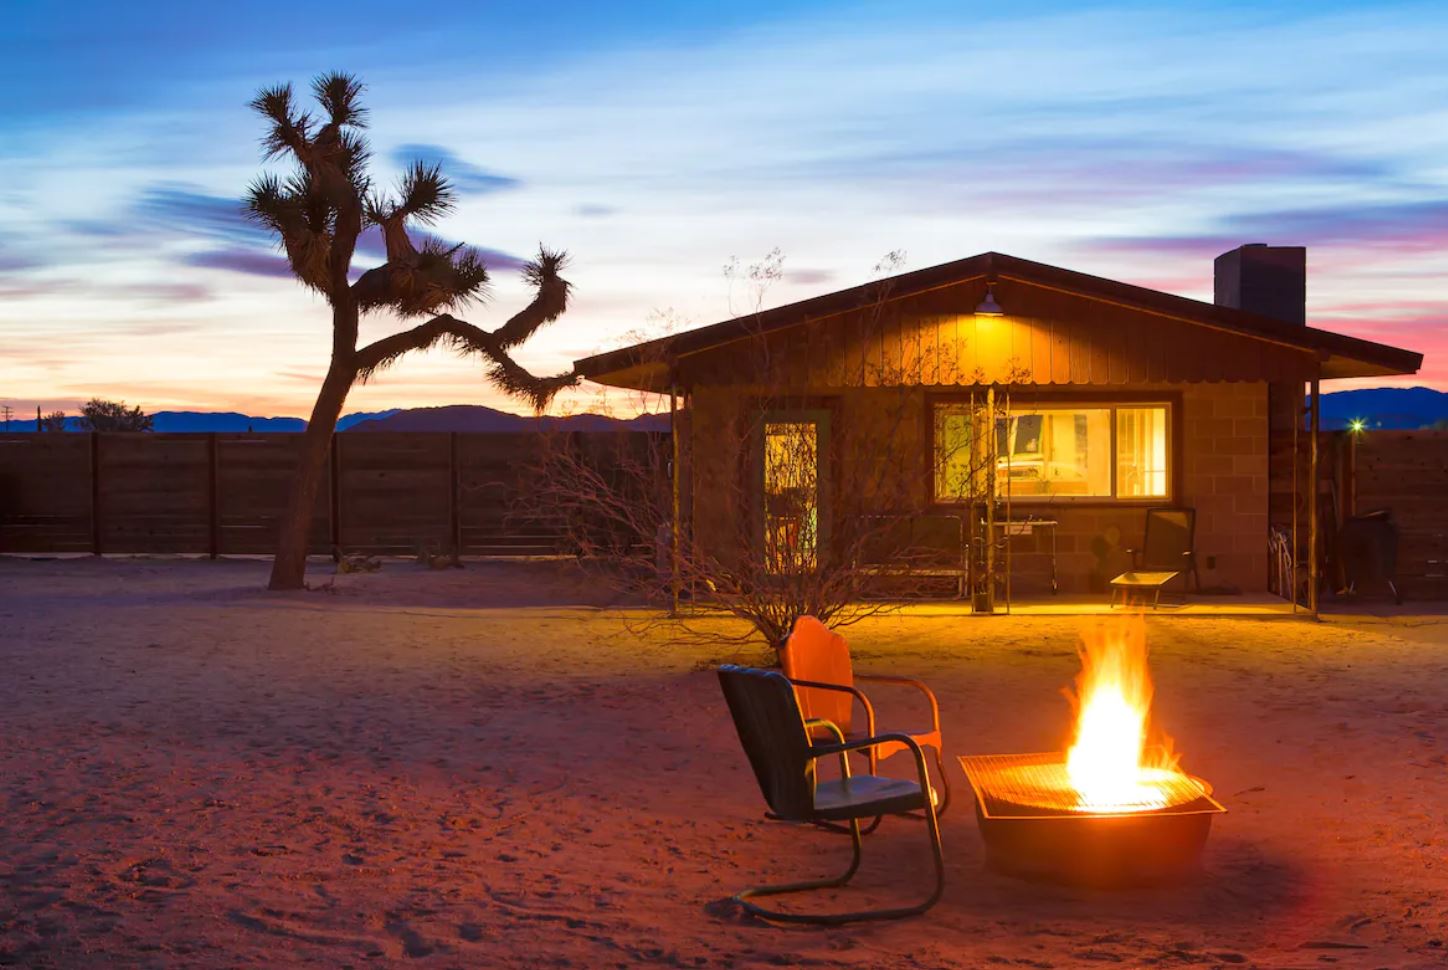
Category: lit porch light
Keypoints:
(989, 307)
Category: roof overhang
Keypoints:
(648, 366)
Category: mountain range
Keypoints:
(455, 417)
(1394, 408)
(1378, 407)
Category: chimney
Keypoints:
(1269, 280)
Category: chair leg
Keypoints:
(835, 919)
(944, 784)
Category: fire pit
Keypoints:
(1111, 810)
(1031, 830)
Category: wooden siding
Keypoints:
(1048, 337)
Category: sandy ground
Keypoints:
(406, 771)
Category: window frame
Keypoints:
(1073, 400)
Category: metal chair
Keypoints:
(817, 660)
(775, 737)
(1167, 551)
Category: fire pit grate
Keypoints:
(1040, 782)
(1030, 830)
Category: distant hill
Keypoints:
(219, 421)
(1403, 408)
(475, 417)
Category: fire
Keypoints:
(1109, 763)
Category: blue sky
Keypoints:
(654, 141)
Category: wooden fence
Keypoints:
(391, 493)
(1407, 473)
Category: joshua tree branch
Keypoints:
(465, 337)
(549, 304)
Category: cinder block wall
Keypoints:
(1225, 437)
(1223, 450)
(1224, 461)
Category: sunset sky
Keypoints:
(655, 141)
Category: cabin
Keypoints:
(1042, 409)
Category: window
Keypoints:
(1056, 452)
(1141, 452)
(791, 496)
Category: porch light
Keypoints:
(989, 307)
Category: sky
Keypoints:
(657, 141)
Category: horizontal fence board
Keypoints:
(45, 493)
(225, 493)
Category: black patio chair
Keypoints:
(775, 737)
(1167, 551)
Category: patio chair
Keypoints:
(817, 661)
(775, 736)
(1166, 552)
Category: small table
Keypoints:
(1011, 528)
(1133, 580)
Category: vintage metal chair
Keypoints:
(775, 736)
(1167, 551)
(817, 660)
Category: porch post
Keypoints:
(1313, 489)
(675, 475)
(985, 597)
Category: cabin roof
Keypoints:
(645, 365)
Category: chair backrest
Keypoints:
(1169, 536)
(815, 652)
(771, 731)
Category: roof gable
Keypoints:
(647, 364)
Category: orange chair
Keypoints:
(817, 661)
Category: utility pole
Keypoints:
(6, 410)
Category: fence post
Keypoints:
(213, 512)
(95, 466)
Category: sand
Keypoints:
(450, 769)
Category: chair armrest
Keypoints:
(840, 739)
(843, 749)
(859, 695)
(908, 682)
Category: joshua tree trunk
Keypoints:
(290, 566)
(318, 212)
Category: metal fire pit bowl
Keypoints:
(1025, 837)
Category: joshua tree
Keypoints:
(318, 212)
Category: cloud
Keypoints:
(16, 262)
(809, 277)
(1407, 227)
(594, 211)
(185, 210)
(1420, 225)
(467, 178)
(371, 246)
(236, 260)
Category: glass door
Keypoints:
(792, 499)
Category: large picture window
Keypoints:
(1065, 451)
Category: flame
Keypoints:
(1109, 763)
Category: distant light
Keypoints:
(1357, 425)
(989, 307)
